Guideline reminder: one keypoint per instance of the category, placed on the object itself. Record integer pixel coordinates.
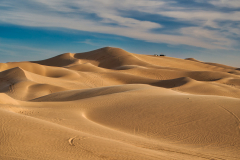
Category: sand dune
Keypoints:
(112, 104)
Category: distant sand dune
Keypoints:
(112, 104)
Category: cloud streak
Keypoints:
(108, 16)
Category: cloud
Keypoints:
(107, 16)
(202, 15)
(11, 50)
(212, 36)
(226, 3)
(90, 42)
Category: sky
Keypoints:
(207, 30)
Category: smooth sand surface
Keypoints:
(111, 104)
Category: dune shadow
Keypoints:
(172, 82)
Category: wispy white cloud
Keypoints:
(109, 19)
(202, 15)
(90, 42)
(226, 3)
(17, 52)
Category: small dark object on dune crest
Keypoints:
(159, 55)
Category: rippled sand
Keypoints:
(112, 104)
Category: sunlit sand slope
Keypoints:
(112, 104)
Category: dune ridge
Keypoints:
(113, 104)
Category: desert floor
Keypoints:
(111, 104)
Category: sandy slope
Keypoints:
(112, 104)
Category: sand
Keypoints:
(112, 104)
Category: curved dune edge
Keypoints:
(112, 104)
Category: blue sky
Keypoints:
(39, 29)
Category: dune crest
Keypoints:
(113, 104)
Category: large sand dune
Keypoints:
(112, 104)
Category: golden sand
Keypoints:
(112, 104)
